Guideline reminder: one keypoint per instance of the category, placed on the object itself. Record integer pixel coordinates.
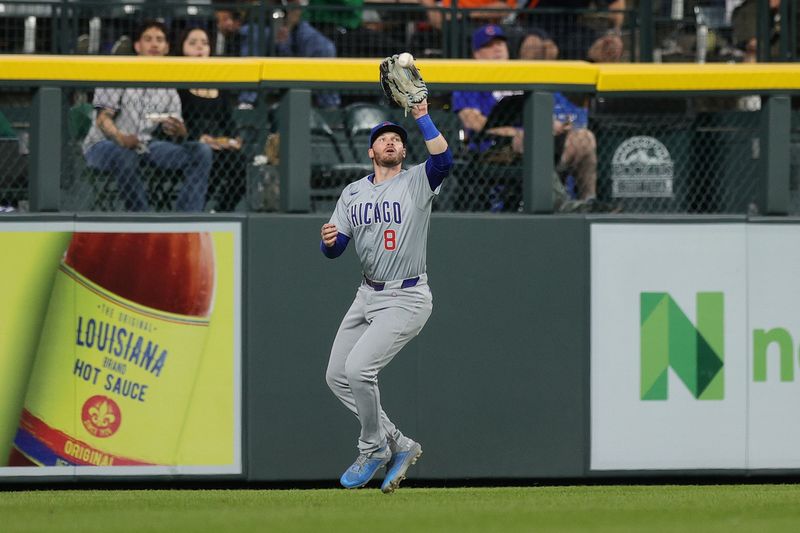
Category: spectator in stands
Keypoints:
(336, 21)
(576, 148)
(294, 37)
(356, 32)
(208, 117)
(482, 17)
(229, 24)
(538, 45)
(127, 125)
(579, 35)
(744, 19)
(473, 107)
(575, 145)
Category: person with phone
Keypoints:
(136, 126)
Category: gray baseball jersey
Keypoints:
(389, 223)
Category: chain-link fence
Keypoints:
(14, 148)
(163, 150)
(487, 174)
(317, 29)
(611, 154)
(677, 155)
(92, 26)
(700, 31)
(26, 27)
(690, 30)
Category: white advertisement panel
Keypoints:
(774, 300)
(668, 346)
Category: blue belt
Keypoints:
(380, 285)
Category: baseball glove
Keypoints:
(403, 85)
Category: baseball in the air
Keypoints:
(405, 60)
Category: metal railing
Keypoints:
(685, 151)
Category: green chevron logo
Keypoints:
(670, 340)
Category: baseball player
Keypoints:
(387, 215)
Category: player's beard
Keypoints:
(389, 160)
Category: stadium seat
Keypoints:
(331, 168)
(14, 177)
(359, 119)
(325, 149)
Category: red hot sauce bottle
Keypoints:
(119, 352)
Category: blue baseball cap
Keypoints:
(387, 126)
(486, 34)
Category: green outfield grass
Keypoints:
(760, 508)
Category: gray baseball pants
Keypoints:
(377, 325)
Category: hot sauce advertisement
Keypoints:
(120, 349)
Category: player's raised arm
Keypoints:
(438, 165)
(434, 140)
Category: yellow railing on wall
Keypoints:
(599, 77)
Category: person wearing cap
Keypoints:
(575, 145)
(387, 215)
(473, 107)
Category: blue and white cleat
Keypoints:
(364, 468)
(396, 469)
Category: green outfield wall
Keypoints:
(494, 386)
(531, 364)
(501, 365)
(546, 328)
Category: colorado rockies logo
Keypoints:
(642, 166)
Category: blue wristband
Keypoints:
(427, 127)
